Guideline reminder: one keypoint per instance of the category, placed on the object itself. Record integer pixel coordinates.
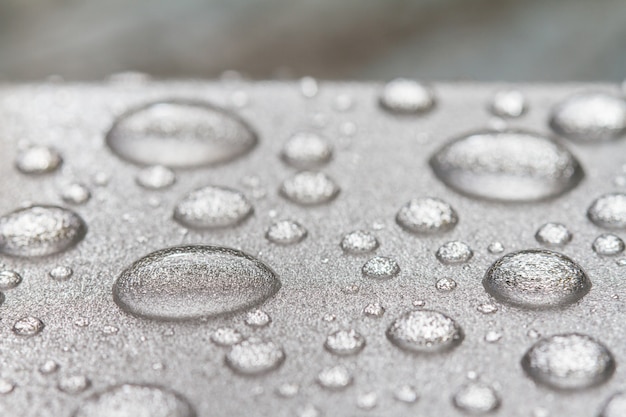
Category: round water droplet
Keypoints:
(74, 384)
(38, 160)
(425, 331)
(445, 284)
(40, 231)
(213, 207)
(508, 103)
(403, 96)
(191, 282)
(609, 211)
(335, 378)
(536, 279)
(374, 310)
(406, 394)
(61, 273)
(590, 117)
(258, 318)
(28, 326)
(136, 400)
(309, 87)
(454, 252)
(608, 245)
(358, 242)
(155, 177)
(495, 247)
(493, 336)
(487, 308)
(553, 234)
(427, 215)
(568, 362)
(286, 232)
(367, 400)
(254, 357)
(6, 386)
(75, 194)
(306, 150)
(615, 406)
(49, 367)
(507, 166)
(9, 280)
(476, 398)
(309, 188)
(226, 336)
(288, 390)
(345, 342)
(180, 134)
(381, 267)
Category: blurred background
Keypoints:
(498, 40)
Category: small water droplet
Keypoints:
(213, 207)
(101, 179)
(445, 284)
(569, 361)
(254, 357)
(309, 410)
(61, 273)
(155, 177)
(427, 215)
(110, 330)
(367, 400)
(533, 334)
(9, 280)
(306, 150)
(425, 331)
(309, 87)
(553, 234)
(345, 342)
(493, 336)
(74, 384)
(608, 245)
(6, 386)
(609, 211)
(495, 248)
(351, 289)
(508, 103)
(454, 252)
(38, 160)
(309, 188)
(621, 262)
(404, 96)
(75, 193)
(343, 103)
(81, 322)
(335, 378)
(286, 232)
(381, 267)
(288, 390)
(348, 129)
(476, 398)
(28, 326)
(615, 406)
(487, 308)
(49, 367)
(226, 336)
(257, 318)
(359, 242)
(374, 310)
(406, 394)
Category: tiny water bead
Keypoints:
(226, 336)
(73, 384)
(454, 252)
(308, 188)
(335, 378)
(427, 215)
(508, 103)
(608, 245)
(286, 232)
(9, 280)
(49, 367)
(509, 166)
(615, 406)
(536, 279)
(406, 394)
(367, 400)
(181, 134)
(381, 267)
(345, 342)
(609, 211)
(569, 362)
(288, 390)
(359, 242)
(40, 231)
(476, 398)
(6, 386)
(375, 310)
(495, 248)
(553, 234)
(136, 400)
(254, 357)
(306, 150)
(28, 326)
(257, 318)
(191, 282)
(487, 308)
(425, 331)
(405, 96)
(445, 284)
(155, 177)
(38, 160)
(213, 207)
(590, 117)
(61, 273)
(75, 193)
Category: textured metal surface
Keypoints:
(379, 168)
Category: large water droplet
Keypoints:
(180, 134)
(476, 398)
(309, 188)
(190, 282)
(40, 231)
(608, 245)
(569, 361)
(255, 357)
(286, 232)
(381, 267)
(553, 234)
(345, 342)
(306, 150)
(590, 117)
(38, 160)
(507, 166)
(137, 401)
(404, 96)
(425, 331)
(454, 252)
(536, 279)
(427, 215)
(359, 242)
(615, 406)
(28, 326)
(213, 207)
(609, 211)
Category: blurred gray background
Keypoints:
(508, 40)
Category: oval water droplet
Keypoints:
(155, 177)
(590, 117)
(406, 394)
(427, 215)
(191, 282)
(335, 378)
(569, 362)
(9, 280)
(553, 234)
(255, 357)
(507, 166)
(40, 231)
(257, 318)
(609, 211)
(75, 193)
(28, 326)
(425, 331)
(476, 398)
(226, 336)
(404, 96)
(615, 406)
(286, 232)
(445, 284)
(74, 384)
(454, 252)
(536, 279)
(306, 150)
(345, 342)
(61, 273)
(38, 160)
(309, 188)
(374, 310)
(180, 134)
(381, 267)
(608, 245)
(508, 103)
(359, 242)
(213, 207)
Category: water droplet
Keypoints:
(309, 188)
(180, 134)
(476, 398)
(155, 177)
(343, 103)
(335, 378)
(507, 166)
(306, 150)
(226, 336)
(258, 318)
(536, 279)
(9, 280)
(454, 252)
(425, 331)
(309, 87)
(495, 248)
(110, 330)
(74, 384)
(191, 282)
(427, 215)
(38, 160)
(493, 336)
(381, 267)
(358, 242)
(40, 231)
(213, 207)
(286, 232)
(590, 117)
(533, 334)
(61, 273)
(28, 326)
(609, 211)
(374, 310)
(288, 390)
(403, 96)
(136, 400)
(553, 234)
(254, 357)
(569, 361)
(6, 386)
(309, 410)
(608, 245)
(508, 103)
(345, 342)
(615, 406)
(81, 322)
(367, 400)
(445, 284)
(49, 367)
(101, 179)
(75, 193)
(487, 308)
